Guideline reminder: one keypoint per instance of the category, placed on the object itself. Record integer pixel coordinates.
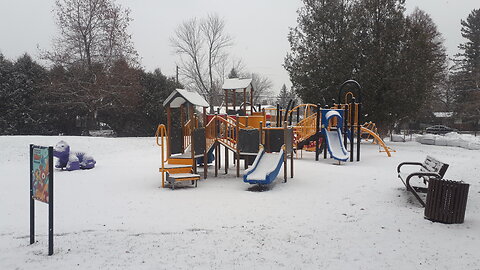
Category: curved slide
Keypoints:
(334, 138)
(264, 169)
(379, 140)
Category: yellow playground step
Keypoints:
(178, 177)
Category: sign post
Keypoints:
(41, 187)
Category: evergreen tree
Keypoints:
(233, 74)
(285, 96)
(467, 74)
(156, 88)
(20, 84)
(321, 46)
(397, 59)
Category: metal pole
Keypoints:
(359, 113)
(345, 125)
(226, 160)
(277, 118)
(32, 202)
(298, 115)
(216, 159)
(236, 139)
(325, 146)
(50, 201)
(285, 173)
(317, 133)
(352, 128)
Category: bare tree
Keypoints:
(93, 55)
(91, 32)
(262, 88)
(202, 45)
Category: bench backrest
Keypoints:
(433, 165)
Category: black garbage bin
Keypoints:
(446, 201)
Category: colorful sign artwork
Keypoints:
(40, 174)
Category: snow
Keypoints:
(180, 96)
(454, 139)
(237, 84)
(443, 114)
(266, 165)
(350, 216)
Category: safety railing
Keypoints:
(187, 131)
(160, 136)
(303, 111)
(306, 128)
(211, 131)
(225, 129)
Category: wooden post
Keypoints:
(226, 101)
(205, 161)
(205, 117)
(245, 100)
(251, 101)
(182, 122)
(169, 128)
(192, 145)
(234, 100)
(260, 133)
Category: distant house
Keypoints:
(443, 118)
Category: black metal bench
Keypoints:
(430, 168)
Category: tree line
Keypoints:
(398, 58)
(93, 79)
(59, 100)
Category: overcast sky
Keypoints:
(259, 28)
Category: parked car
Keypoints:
(439, 129)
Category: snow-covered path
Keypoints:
(353, 216)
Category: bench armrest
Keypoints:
(419, 174)
(408, 163)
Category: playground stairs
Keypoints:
(179, 168)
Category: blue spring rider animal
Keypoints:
(71, 161)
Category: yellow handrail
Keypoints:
(306, 128)
(307, 111)
(226, 127)
(161, 133)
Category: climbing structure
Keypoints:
(182, 140)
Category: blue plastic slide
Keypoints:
(334, 138)
(264, 169)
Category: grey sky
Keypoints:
(259, 28)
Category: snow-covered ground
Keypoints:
(453, 139)
(353, 216)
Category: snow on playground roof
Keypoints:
(180, 96)
(237, 84)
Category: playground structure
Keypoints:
(193, 139)
(264, 138)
